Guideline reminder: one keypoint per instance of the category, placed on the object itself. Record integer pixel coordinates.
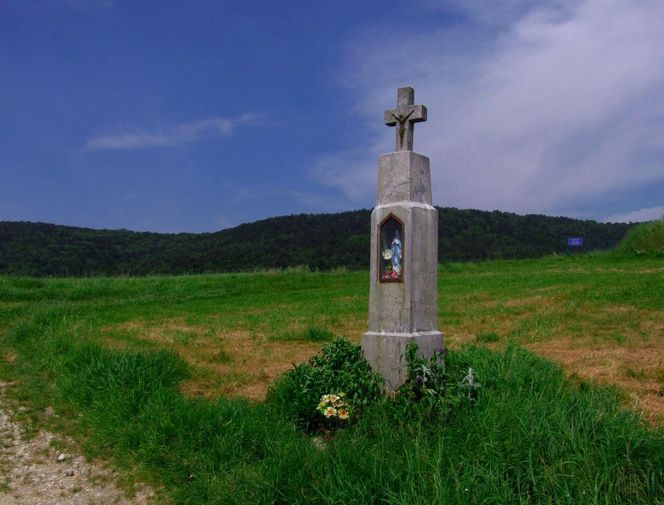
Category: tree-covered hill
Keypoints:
(320, 241)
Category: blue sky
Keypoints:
(200, 115)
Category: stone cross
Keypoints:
(404, 117)
(403, 289)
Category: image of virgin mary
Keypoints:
(397, 250)
(391, 252)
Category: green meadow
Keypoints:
(168, 379)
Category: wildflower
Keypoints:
(330, 412)
(343, 414)
(469, 382)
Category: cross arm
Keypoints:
(390, 120)
(414, 114)
(419, 114)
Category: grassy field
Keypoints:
(167, 376)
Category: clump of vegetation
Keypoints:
(339, 368)
(427, 389)
(338, 386)
(434, 387)
(645, 240)
(312, 334)
(487, 337)
(318, 335)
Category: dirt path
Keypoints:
(33, 472)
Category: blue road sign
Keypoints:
(575, 242)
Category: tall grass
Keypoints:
(532, 437)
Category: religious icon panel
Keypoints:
(391, 250)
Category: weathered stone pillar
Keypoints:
(403, 297)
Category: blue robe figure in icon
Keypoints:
(396, 254)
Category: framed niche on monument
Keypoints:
(390, 249)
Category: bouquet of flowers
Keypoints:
(335, 409)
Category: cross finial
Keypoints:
(404, 117)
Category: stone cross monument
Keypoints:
(403, 297)
(404, 117)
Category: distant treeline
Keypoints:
(319, 241)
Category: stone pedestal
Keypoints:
(403, 297)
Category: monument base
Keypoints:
(386, 352)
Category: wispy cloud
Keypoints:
(561, 103)
(177, 135)
(350, 172)
(638, 216)
(486, 12)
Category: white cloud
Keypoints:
(561, 104)
(487, 12)
(348, 171)
(180, 134)
(638, 216)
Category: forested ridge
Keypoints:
(319, 241)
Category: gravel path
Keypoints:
(33, 472)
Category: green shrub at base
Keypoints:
(340, 368)
(434, 386)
